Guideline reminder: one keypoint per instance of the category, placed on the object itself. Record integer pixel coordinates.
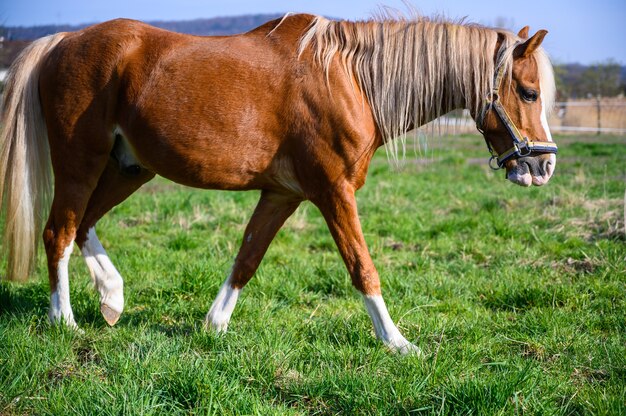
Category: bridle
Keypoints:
(521, 145)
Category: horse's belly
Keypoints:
(205, 161)
(216, 122)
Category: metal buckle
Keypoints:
(497, 166)
(523, 149)
(490, 98)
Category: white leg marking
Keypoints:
(60, 306)
(384, 327)
(106, 278)
(222, 308)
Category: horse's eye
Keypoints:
(528, 94)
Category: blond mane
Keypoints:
(413, 70)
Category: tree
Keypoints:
(563, 88)
(602, 79)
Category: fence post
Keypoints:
(599, 107)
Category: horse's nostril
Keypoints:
(524, 166)
(529, 164)
(547, 167)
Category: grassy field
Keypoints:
(516, 296)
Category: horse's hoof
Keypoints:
(109, 314)
(404, 347)
(410, 349)
(212, 325)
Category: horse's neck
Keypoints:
(415, 85)
(411, 72)
(444, 106)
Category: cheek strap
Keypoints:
(521, 145)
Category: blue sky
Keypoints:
(580, 30)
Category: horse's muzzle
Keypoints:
(531, 170)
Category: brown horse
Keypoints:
(295, 108)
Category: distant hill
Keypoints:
(202, 27)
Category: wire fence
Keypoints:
(595, 116)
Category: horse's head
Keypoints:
(514, 120)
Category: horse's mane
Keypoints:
(412, 69)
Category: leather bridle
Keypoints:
(521, 145)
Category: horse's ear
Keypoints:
(523, 33)
(530, 45)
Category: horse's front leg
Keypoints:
(270, 214)
(340, 211)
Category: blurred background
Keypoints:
(585, 40)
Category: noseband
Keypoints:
(521, 145)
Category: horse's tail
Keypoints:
(25, 166)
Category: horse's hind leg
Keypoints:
(76, 172)
(114, 186)
(270, 214)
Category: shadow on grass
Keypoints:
(155, 320)
(524, 298)
(32, 299)
(23, 299)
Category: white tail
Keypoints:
(25, 168)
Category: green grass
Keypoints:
(516, 296)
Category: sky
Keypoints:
(579, 30)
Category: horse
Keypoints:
(295, 108)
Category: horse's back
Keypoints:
(215, 112)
